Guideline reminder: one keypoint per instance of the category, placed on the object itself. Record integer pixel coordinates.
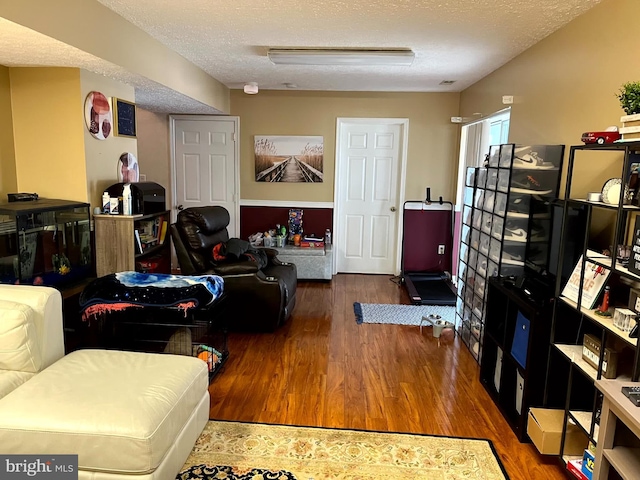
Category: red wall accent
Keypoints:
(260, 219)
(424, 230)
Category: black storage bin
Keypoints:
(146, 197)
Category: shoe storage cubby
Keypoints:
(504, 224)
(596, 234)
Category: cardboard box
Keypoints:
(544, 427)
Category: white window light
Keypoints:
(309, 56)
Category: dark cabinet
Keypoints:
(516, 344)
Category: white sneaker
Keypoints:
(530, 160)
(515, 234)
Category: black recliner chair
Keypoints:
(257, 299)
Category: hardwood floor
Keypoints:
(323, 369)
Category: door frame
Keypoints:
(339, 183)
(236, 142)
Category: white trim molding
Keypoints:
(283, 203)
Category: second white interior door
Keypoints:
(368, 208)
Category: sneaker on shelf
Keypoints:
(489, 204)
(516, 256)
(538, 233)
(475, 328)
(482, 268)
(519, 207)
(530, 160)
(525, 183)
(536, 254)
(512, 259)
(515, 233)
(515, 263)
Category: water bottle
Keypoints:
(126, 200)
(106, 203)
(327, 237)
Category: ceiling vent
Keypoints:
(447, 82)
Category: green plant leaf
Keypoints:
(629, 96)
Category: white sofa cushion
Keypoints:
(46, 303)
(19, 348)
(10, 380)
(119, 411)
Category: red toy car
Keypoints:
(610, 135)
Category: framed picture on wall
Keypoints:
(124, 118)
(290, 158)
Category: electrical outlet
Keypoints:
(440, 249)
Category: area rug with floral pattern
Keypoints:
(255, 451)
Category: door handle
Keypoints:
(179, 207)
(393, 209)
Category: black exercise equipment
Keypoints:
(424, 270)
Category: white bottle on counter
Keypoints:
(106, 203)
(126, 200)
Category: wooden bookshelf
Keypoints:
(117, 249)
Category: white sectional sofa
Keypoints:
(126, 415)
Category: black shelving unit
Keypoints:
(604, 226)
(514, 384)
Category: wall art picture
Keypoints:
(124, 114)
(128, 170)
(97, 115)
(281, 158)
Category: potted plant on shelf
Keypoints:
(629, 96)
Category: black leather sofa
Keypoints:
(257, 299)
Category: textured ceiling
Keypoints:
(461, 40)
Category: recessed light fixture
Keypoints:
(251, 88)
(447, 82)
(340, 56)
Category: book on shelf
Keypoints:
(595, 277)
(163, 230)
(138, 241)
(575, 467)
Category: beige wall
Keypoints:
(8, 181)
(102, 155)
(433, 139)
(48, 132)
(153, 149)
(93, 28)
(566, 84)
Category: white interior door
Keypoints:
(369, 194)
(206, 164)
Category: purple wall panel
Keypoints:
(260, 219)
(424, 230)
(456, 242)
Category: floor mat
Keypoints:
(400, 314)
